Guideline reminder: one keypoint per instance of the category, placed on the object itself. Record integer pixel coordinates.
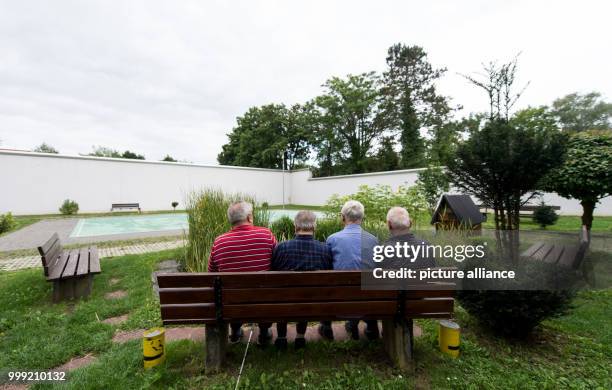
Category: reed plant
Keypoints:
(207, 219)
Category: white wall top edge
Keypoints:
(385, 173)
(135, 161)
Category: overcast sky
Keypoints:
(159, 77)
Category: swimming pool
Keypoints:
(102, 226)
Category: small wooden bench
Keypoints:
(125, 206)
(216, 299)
(71, 271)
(569, 256)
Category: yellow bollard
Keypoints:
(448, 337)
(153, 341)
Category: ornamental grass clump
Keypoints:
(207, 218)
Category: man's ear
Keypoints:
(250, 218)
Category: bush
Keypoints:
(378, 200)
(7, 222)
(174, 204)
(283, 228)
(69, 207)
(515, 313)
(545, 215)
(207, 218)
(326, 227)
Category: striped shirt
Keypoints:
(244, 248)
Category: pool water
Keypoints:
(102, 226)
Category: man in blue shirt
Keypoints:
(303, 253)
(352, 249)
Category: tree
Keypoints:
(411, 99)
(169, 158)
(576, 112)
(45, 148)
(270, 136)
(503, 165)
(432, 183)
(351, 111)
(132, 155)
(101, 151)
(586, 173)
(499, 83)
(386, 159)
(535, 118)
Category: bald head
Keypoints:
(398, 220)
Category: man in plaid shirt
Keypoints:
(303, 253)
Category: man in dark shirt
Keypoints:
(303, 253)
(398, 222)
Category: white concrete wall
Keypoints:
(37, 183)
(33, 183)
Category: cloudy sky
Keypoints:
(159, 77)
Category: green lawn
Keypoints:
(573, 351)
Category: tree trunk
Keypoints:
(587, 213)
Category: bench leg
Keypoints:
(63, 289)
(215, 343)
(83, 285)
(398, 341)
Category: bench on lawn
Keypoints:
(569, 256)
(524, 211)
(125, 206)
(71, 271)
(216, 299)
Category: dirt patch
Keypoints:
(116, 320)
(116, 294)
(114, 281)
(13, 386)
(124, 336)
(76, 362)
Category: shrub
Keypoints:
(545, 215)
(326, 227)
(69, 207)
(265, 205)
(378, 200)
(174, 204)
(7, 222)
(283, 228)
(207, 218)
(514, 313)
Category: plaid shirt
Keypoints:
(303, 253)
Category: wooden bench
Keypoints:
(125, 206)
(71, 271)
(215, 299)
(524, 211)
(569, 256)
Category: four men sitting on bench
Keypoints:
(251, 248)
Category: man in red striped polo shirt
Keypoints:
(244, 248)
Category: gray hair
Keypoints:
(398, 218)
(305, 220)
(239, 211)
(353, 211)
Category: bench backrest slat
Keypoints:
(318, 295)
(49, 252)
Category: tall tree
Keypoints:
(576, 112)
(586, 173)
(499, 84)
(169, 158)
(351, 111)
(412, 101)
(270, 136)
(46, 148)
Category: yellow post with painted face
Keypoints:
(449, 337)
(153, 347)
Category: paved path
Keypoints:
(32, 236)
(34, 261)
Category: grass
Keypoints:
(567, 223)
(573, 351)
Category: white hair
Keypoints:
(305, 220)
(353, 211)
(398, 218)
(239, 211)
